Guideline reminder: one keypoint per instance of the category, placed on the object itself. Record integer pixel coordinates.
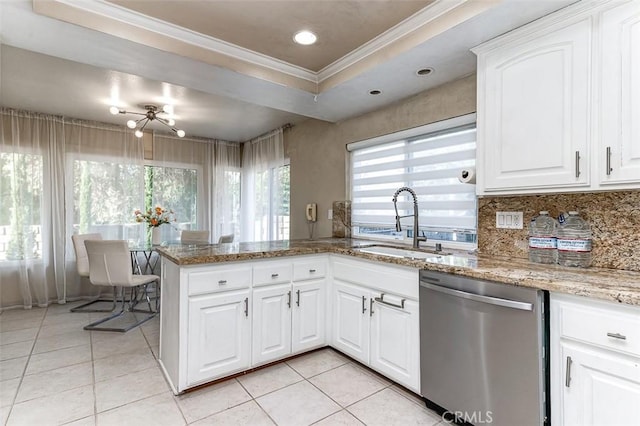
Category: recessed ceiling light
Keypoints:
(375, 92)
(424, 71)
(304, 37)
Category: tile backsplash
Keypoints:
(614, 218)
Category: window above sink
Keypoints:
(427, 159)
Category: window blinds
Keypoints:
(429, 164)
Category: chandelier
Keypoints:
(151, 114)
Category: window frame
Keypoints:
(432, 128)
(200, 214)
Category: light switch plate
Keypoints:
(330, 214)
(509, 220)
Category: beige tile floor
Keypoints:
(54, 372)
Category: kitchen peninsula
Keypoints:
(264, 301)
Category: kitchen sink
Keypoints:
(404, 253)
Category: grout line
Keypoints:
(93, 385)
(24, 370)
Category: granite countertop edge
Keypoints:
(605, 284)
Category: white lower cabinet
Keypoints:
(351, 320)
(308, 323)
(600, 388)
(289, 318)
(376, 318)
(595, 362)
(271, 323)
(219, 338)
(394, 343)
(217, 320)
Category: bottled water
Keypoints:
(542, 240)
(574, 242)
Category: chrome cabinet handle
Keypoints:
(246, 307)
(370, 307)
(311, 271)
(617, 336)
(289, 299)
(297, 297)
(364, 308)
(274, 275)
(384, 302)
(609, 169)
(577, 163)
(567, 378)
(222, 282)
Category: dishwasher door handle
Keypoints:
(479, 297)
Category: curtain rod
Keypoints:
(287, 126)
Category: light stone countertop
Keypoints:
(607, 284)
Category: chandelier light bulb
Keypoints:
(131, 124)
(114, 110)
(171, 122)
(168, 109)
(180, 133)
(138, 133)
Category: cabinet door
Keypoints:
(603, 387)
(620, 83)
(308, 323)
(395, 337)
(271, 323)
(533, 127)
(351, 320)
(219, 339)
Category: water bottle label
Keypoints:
(574, 245)
(542, 242)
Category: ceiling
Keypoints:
(230, 68)
(268, 27)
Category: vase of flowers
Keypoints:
(154, 218)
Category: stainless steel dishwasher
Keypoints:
(483, 350)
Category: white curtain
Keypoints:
(181, 181)
(262, 195)
(225, 210)
(59, 177)
(218, 166)
(103, 185)
(30, 239)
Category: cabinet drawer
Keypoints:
(272, 273)
(218, 280)
(309, 270)
(397, 280)
(602, 327)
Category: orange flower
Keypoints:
(153, 221)
(158, 210)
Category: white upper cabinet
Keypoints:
(557, 100)
(620, 112)
(533, 110)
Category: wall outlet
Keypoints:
(509, 220)
(330, 214)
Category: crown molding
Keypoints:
(154, 32)
(393, 34)
(112, 19)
